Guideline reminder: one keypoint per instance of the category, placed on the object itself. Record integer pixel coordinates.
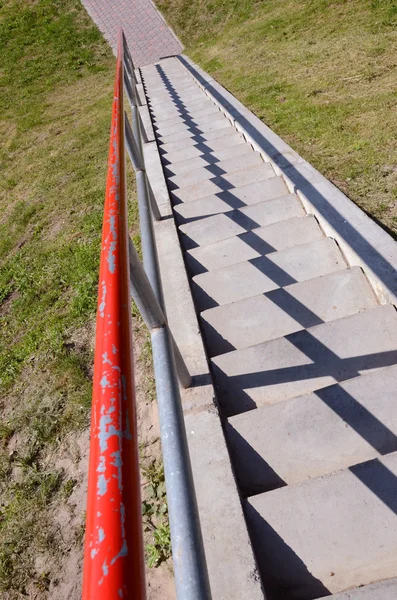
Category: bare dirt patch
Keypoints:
(65, 568)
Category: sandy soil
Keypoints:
(74, 460)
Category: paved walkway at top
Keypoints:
(148, 36)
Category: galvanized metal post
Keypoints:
(191, 575)
(151, 311)
(149, 249)
(138, 163)
(190, 569)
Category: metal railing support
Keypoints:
(190, 569)
(148, 242)
(139, 164)
(151, 311)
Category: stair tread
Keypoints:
(163, 97)
(315, 434)
(167, 113)
(202, 139)
(283, 311)
(271, 238)
(266, 273)
(227, 181)
(382, 590)
(328, 534)
(235, 222)
(185, 87)
(165, 102)
(306, 361)
(204, 130)
(244, 195)
(198, 162)
(222, 168)
(184, 124)
(211, 109)
(232, 138)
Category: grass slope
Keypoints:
(55, 105)
(321, 73)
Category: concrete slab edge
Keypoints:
(383, 590)
(363, 241)
(231, 563)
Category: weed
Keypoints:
(68, 487)
(155, 514)
(160, 549)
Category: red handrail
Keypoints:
(113, 555)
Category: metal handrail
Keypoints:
(114, 557)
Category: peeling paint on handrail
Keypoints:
(114, 556)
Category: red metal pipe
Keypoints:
(113, 555)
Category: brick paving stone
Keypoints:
(149, 37)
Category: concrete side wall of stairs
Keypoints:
(280, 294)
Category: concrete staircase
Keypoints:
(302, 354)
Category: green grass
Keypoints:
(321, 73)
(155, 512)
(56, 83)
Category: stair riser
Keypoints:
(329, 534)
(248, 246)
(266, 273)
(211, 158)
(187, 124)
(306, 361)
(222, 226)
(201, 141)
(285, 311)
(327, 431)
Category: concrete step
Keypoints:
(220, 169)
(201, 139)
(163, 102)
(266, 273)
(166, 96)
(220, 123)
(306, 361)
(170, 94)
(245, 195)
(328, 534)
(382, 590)
(312, 435)
(283, 311)
(250, 245)
(185, 87)
(153, 77)
(235, 222)
(200, 113)
(156, 82)
(210, 158)
(159, 114)
(173, 111)
(157, 86)
(225, 182)
(185, 124)
(226, 141)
